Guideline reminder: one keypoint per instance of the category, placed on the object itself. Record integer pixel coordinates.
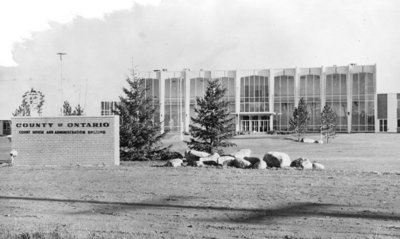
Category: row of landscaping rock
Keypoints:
(243, 159)
(311, 141)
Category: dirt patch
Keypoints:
(356, 197)
(152, 202)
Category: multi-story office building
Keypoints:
(263, 100)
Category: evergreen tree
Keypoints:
(67, 110)
(328, 122)
(298, 122)
(140, 135)
(22, 110)
(78, 110)
(213, 126)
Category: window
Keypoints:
(108, 107)
(336, 98)
(6, 127)
(174, 103)
(254, 93)
(310, 91)
(363, 119)
(197, 89)
(284, 101)
(383, 125)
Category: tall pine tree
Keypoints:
(328, 122)
(214, 125)
(140, 135)
(299, 120)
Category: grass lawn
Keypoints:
(359, 152)
(356, 197)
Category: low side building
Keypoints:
(5, 127)
(389, 112)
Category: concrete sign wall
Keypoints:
(69, 140)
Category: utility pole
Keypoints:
(61, 54)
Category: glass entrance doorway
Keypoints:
(254, 123)
(383, 125)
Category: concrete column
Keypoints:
(1, 127)
(237, 92)
(375, 103)
(188, 76)
(323, 87)
(349, 84)
(296, 86)
(161, 77)
(271, 93)
(238, 75)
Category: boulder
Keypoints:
(318, 166)
(212, 158)
(306, 140)
(252, 160)
(174, 163)
(301, 163)
(261, 164)
(296, 163)
(228, 159)
(198, 163)
(319, 141)
(228, 163)
(241, 153)
(277, 159)
(306, 164)
(171, 155)
(241, 163)
(194, 155)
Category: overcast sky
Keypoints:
(209, 34)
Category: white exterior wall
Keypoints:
(392, 113)
(376, 103)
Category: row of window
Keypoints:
(254, 98)
(255, 88)
(362, 115)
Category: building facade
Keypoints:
(389, 113)
(264, 99)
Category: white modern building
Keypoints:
(264, 99)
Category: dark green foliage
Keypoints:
(298, 122)
(22, 110)
(67, 110)
(32, 101)
(328, 122)
(78, 110)
(214, 125)
(140, 135)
